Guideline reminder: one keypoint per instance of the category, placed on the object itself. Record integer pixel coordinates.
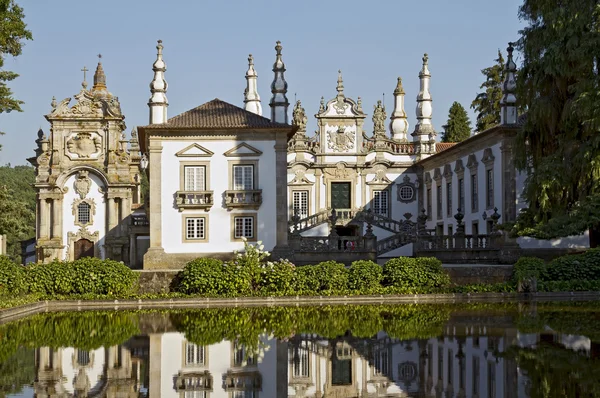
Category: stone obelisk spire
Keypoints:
(279, 102)
(399, 123)
(508, 103)
(251, 97)
(158, 88)
(424, 134)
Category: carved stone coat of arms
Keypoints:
(340, 140)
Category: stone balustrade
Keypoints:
(243, 199)
(194, 200)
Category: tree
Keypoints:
(458, 127)
(12, 33)
(487, 103)
(559, 83)
(17, 206)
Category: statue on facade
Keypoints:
(379, 117)
(299, 117)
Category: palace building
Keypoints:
(221, 174)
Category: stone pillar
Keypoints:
(112, 215)
(57, 219)
(281, 189)
(124, 208)
(155, 354)
(44, 221)
(155, 149)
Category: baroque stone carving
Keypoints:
(300, 177)
(82, 184)
(340, 140)
(340, 171)
(379, 117)
(299, 117)
(380, 176)
(84, 145)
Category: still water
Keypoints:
(468, 350)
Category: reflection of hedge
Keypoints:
(411, 321)
(85, 330)
(576, 318)
(556, 371)
(17, 372)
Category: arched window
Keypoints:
(84, 213)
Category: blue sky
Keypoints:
(207, 44)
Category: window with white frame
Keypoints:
(429, 207)
(474, 197)
(300, 203)
(449, 199)
(84, 214)
(489, 188)
(195, 394)
(381, 361)
(194, 354)
(243, 177)
(243, 227)
(380, 202)
(301, 362)
(439, 201)
(491, 382)
(461, 195)
(241, 356)
(195, 228)
(195, 178)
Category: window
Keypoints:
(381, 362)
(449, 199)
(489, 183)
(439, 201)
(429, 207)
(450, 367)
(380, 202)
(430, 360)
(243, 177)
(300, 360)
(84, 213)
(195, 178)
(194, 354)
(300, 203)
(440, 359)
(461, 195)
(83, 358)
(241, 357)
(475, 375)
(474, 199)
(450, 230)
(491, 374)
(195, 394)
(243, 227)
(195, 228)
(406, 193)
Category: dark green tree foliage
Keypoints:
(12, 33)
(458, 126)
(487, 103)
(17, 206)
(559, 83)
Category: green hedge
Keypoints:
(407, 273)
(365, 276)
(84, 276)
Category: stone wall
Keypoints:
(469, 274)
(156, 281)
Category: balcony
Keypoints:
(243, 199)
(194, 200)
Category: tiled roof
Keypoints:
(217, 114)
(442, 146)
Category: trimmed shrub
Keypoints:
(278, 278)
(238, 280)
(307, 279)
(584, 266)
(332, 276)
(528, 268)
(12, 277)
(84, 276)
(364, 276)
(202, 276)
(421, 272)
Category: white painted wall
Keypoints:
(99, 218)
(93, 371)
(219, 217)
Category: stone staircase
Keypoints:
(394, 242)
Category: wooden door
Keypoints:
(340, 195)
(83, 248)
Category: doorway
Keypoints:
(83, 248)
(340, 195)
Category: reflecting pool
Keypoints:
(467, 350)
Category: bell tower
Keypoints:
(86, 177)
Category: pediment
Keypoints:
(243, 149)
(194, 150)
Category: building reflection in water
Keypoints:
(464, 362)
